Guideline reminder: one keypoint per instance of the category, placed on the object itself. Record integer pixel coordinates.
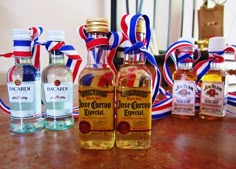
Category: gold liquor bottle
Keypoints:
(97, 93)
(184, 88)
(134, 103)
(213, 87)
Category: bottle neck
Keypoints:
(23, 60)
(215, 66)
(185, 65)
(97, 56)
(56, 58)
(136, 57)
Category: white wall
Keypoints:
(69, 14)
(66, 15)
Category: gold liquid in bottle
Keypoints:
(212, 91)
(96, 94)
(134, 102)
(184, 92)
(213, 87)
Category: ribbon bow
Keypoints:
(70, 52)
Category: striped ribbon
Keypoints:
(182, 57)
(160, 107)
(113, 40)
(35, 45)
(74, 60)
(178, 56)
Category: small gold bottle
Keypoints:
(184, 88)
(96, 93)
(134, 102)
(213, 87)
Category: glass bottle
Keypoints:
(96, 93)
(184, 87)
(24, 87)
(57, 85)
(134, 99)
(213, 87)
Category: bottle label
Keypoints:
(212, 99)
(21, 91)
(184, 97)
(134, 109)
(24, 99)
(96, 109)
(57, 91)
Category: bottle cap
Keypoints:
(216, 44)
(21, 34)
(97, 25)
(56, 35)
(141, 27)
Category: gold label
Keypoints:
(96, 109)
(134, 110)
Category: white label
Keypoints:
(212, 98)
(59, 93)
(184, 97)
(58, 113)
(23, 92)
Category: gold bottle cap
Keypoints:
(141, 27)
(97, 25)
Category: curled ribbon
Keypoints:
(73, 57)
(113, 40)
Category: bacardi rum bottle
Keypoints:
(24, 87)
(57, 86)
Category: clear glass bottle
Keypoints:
(213, 87)
(96, 93)
(57, 85)
(24, 87)
(184, 88)
(134, 99)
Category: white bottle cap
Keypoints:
(21, 34)
(216, 44)
(56, 35)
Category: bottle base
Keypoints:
(184, 117)
(208, 117)
(133, 140)
(95, 140)
(26, 126)
(59, 123)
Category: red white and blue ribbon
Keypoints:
(35, 46)
(112, 40)
(182, 57)
(74, 60)
(160, 108)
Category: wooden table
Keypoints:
(176, 144)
